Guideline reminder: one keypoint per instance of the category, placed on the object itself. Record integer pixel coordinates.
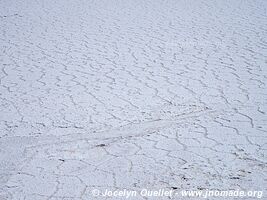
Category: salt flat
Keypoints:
(113, 94)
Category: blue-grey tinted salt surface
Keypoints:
(131, 94)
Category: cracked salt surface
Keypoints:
(131, 94)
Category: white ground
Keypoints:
(131, 94)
